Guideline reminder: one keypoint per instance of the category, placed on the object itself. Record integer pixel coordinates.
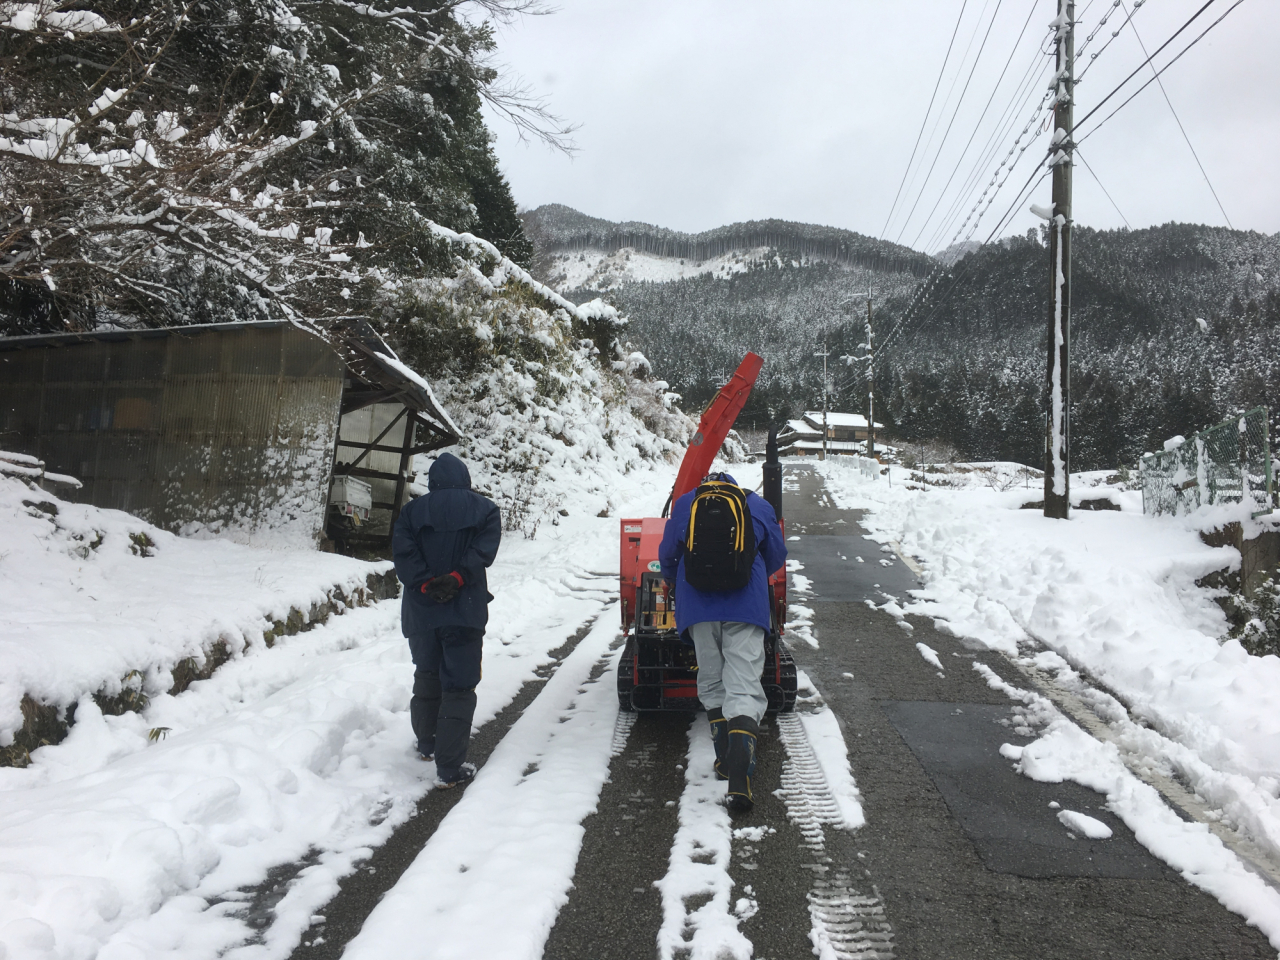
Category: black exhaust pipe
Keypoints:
(773, 473)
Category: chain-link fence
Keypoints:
(1229, 463)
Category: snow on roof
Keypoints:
(835, 419)
(800, 426)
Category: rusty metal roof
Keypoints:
(361, 348)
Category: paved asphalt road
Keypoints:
(960, 857)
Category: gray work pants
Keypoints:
(730, 660)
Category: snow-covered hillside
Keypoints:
(603, 271)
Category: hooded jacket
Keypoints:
(751, 604)
(452, 528)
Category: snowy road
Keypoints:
(590, 833)
(971, 857)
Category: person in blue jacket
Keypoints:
(728, 631)
(442, 544)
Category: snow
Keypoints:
(510, 846)
(1110, 596)
(1086, 826)
(835, 419)
(597, 270)
(1065, 752)
(95, 608)
(699, 867)
(1056, 439)
(930, 655)
(825, 737)
(413, 376)
(138, 834)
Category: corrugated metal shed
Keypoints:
(219, 429)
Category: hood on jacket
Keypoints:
(723, 476)
(448, 473)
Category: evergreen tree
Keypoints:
(166, 162)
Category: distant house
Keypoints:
(234, 429)
(846, 434)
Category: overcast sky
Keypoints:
(698, 113)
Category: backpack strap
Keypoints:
(737, 500)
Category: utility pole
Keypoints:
(871, 386)
(1057, 452)
(824, 354)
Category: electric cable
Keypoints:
(1115, 33)
(1099, 124)
(1099, 182)
(1185, 137)
(963, 266)
(977, 126)
(1003, 129)
(924, 123)
(955, 113)
(1118, 86)
(942, 108)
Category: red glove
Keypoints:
(443, 589)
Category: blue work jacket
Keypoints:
(752, 603)
(452, 528)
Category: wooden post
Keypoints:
(1057, 455)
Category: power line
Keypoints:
(1003, 128)
(1098, 181)
(1099, 124)
(1115, 33)
(1203, 173)
(942, 143)
(963, 264)
(1098, 105)
(994, 90)
(946, 99)
(924, 123)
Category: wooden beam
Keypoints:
(366, 472)
(376, 447)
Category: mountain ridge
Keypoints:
(558, 228)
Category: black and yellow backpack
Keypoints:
(720, 546)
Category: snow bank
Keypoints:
(1113, 594)
(1065, 752)
(112, 844)
(95, 595)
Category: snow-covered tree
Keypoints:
(181, 161)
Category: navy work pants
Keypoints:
(446, 672)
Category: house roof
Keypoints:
(835, 419)
(799, 427)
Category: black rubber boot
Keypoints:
(424, 710)
(741, 764)
(720, 737)
(453, 732)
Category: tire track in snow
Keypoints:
(508, 847)
(614, 909)
(698, 916)
(338, 921)
(847, 924)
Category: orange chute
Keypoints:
(715, 424)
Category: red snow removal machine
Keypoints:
(658, 670)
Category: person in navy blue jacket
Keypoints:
(442, 544)
(728, 630)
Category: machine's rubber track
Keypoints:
(627, 675)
